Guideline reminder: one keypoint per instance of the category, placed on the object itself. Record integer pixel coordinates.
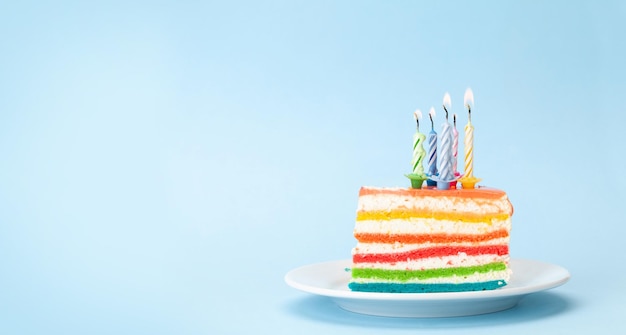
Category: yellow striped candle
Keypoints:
(469, 149)
(468, 180)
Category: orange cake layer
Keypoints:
(429, 238)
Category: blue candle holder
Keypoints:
(443, 184)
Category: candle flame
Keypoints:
(417, 114)
(432, 112)
(447, 102)
(468, 99)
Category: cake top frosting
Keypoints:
(480, 192)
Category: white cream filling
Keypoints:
(428, 226)
(385, 248)
(460, 260)
(378, 202)
(503, 275)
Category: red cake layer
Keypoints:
(499, 250)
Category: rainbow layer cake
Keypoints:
(428, 240)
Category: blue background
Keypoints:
(164, 164)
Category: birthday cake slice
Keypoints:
(428, 240)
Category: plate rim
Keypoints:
(490, 294)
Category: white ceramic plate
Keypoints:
(331, 279)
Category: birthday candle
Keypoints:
(418, 146)
(445, 146)
(432, 146)
(469, 136)
(455, 146)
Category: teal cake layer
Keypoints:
(425, 288)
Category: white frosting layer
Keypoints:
(436, 262)
(386, 248)
(428, 226)
(473, 278)
(378, 202)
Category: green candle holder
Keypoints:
(416, 179)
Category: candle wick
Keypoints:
(418, 123)
(432, 124)
(445, 109)
(454, 120)
(469, 113)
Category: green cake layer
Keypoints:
(406, 275)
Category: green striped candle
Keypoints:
(418, 147)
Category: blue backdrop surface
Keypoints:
(165, 163)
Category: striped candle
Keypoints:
(432, 148)
(418, 147)
(469, 150)
(455, 146)
(469, 135)
(445, 153)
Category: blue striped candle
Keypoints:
(432, 149)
